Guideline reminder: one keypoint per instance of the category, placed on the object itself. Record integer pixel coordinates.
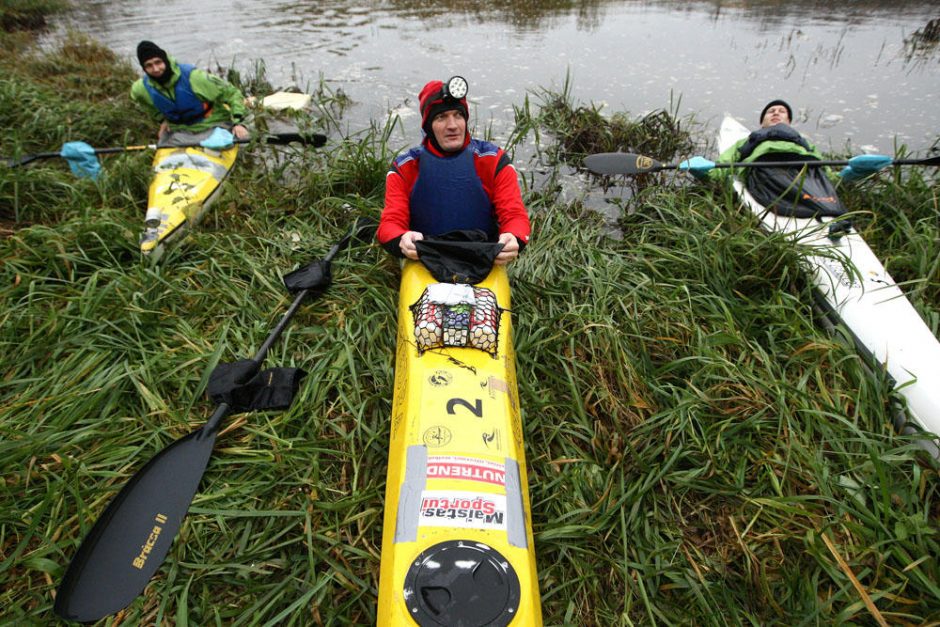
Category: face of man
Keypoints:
(776, 114)
(154, 67)
(449, 130)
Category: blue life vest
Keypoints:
(186, 107)
(448, 195)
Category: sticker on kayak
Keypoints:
(437, 436)
(837, 272)
(440, 378)
(492, 440)
(468, 510)
(456, 315)
(466, 468)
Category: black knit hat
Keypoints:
(774, 103)
(147, 50)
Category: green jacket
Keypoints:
(228, 103)
(733, 154)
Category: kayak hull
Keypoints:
(857, 290)
(185, 182)
(457, 501)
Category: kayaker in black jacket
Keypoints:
(795, 190)
(774, 137)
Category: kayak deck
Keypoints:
(857, 290)
(457, 546)
(185, 182)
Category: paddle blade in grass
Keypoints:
(131, 539)
(614, 163)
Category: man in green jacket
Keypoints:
(182, 97)
(774, 136)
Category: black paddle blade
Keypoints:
(613, 163)
(282, 139)
(131, 539)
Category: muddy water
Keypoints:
(846, 69)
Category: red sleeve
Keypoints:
(511, 213)
(396, 215)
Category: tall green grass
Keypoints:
(696, 435)
(898, 214)
(699, 450)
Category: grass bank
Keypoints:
(699, 451)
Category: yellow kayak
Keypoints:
(186, 180)
(457, 546)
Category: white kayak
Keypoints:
(866, 299)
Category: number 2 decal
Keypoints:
(476, 408)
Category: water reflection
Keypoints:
(846, 68)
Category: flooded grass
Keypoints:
(699, 450)
(578, 130)
(923, 42)
(28, 15)
(564, 132)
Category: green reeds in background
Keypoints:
(580, 130)
(699, 450)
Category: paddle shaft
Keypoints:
(625, 163)
(279, 139)
(222, 410)
(814, 164)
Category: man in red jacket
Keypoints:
(451, 181)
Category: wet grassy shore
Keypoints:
(700, 451)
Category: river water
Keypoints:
(845, 67)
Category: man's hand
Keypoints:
(407, 244)
(240, 132)
(510, 249)
(164, 129)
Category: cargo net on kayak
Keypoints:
(453, 314)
